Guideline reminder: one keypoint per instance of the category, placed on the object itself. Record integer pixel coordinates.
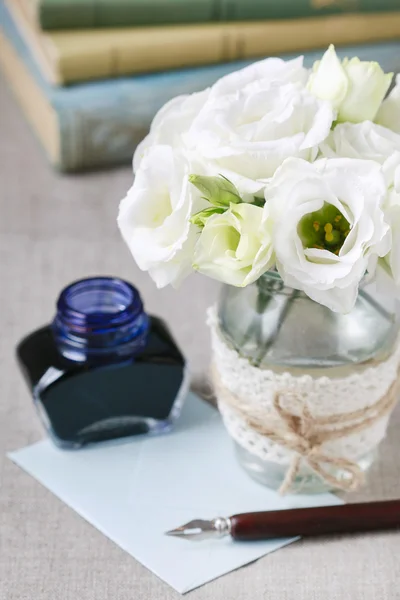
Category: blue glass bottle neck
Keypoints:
(100, 319)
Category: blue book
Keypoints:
(99, 123)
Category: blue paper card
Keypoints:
(135, 491)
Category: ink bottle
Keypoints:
(103, 369)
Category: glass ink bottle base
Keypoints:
(103, 369)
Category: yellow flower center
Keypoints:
(325, 229)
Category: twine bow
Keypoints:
(304, 439)
(304, 434)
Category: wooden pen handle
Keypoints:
(344, 518)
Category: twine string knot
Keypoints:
(304, 434)
(304, 439)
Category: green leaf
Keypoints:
(258, 202)
(218, 190)
(201, 217)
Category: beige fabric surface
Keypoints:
(55, 229)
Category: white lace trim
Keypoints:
(324, 396)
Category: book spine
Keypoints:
(178, 47)
(75, 14)
(65, 14)
(94, 136)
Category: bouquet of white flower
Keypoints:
(273, 167)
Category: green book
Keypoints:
(73, 14)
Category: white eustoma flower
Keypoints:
(176, 116)
(389, 112)
(269, 70)
(154, 217)
(328, 222)
(392, 259)
(355, 88)
(362, 140)
(235, 247)
(391, 171)
(173, 119)
(374, 142)
(247, 135)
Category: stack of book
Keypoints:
(90, 74)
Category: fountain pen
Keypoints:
(321, 520)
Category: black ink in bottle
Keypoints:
(103, 369)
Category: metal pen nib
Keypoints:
(200, 529)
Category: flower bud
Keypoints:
(219, 191)
(355, 88)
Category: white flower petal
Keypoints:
(356, 188)
(170, 123)
(328, 80)
(154, 217)
(336, 299)
(354, 88)
(365, 140)
(368, 85)
(389, 112)
(235, 247)
(270, 69)
(248, 134)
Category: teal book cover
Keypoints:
(101, 122)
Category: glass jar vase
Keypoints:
(288, 338)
